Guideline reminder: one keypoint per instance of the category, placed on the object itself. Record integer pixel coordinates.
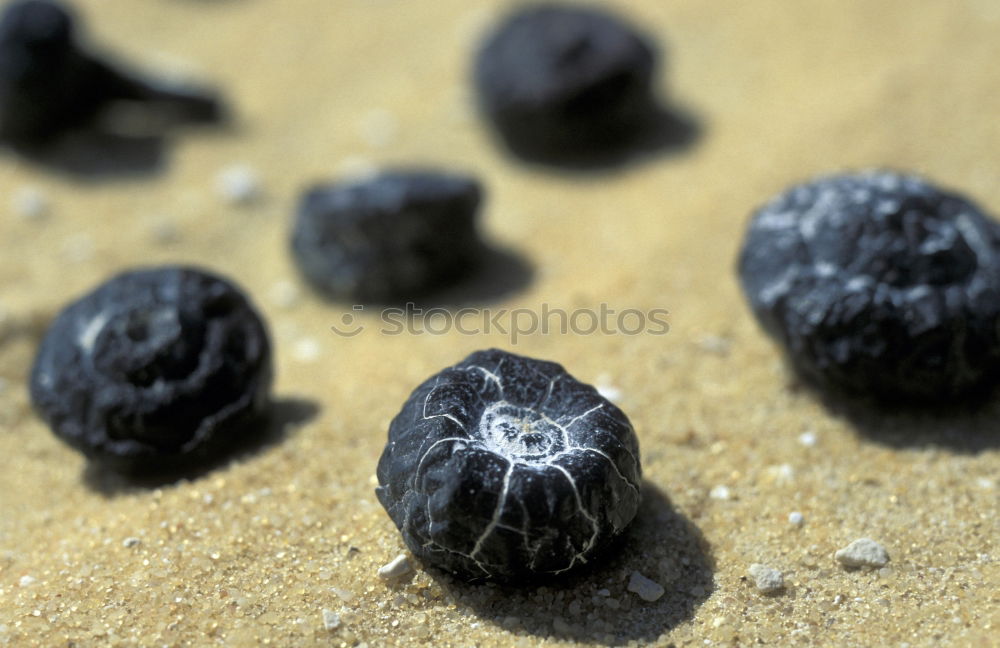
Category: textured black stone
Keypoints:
(389, 239)
(878, 283)
(507, 468)
(559, 80)
(155, 370)
(49, 84)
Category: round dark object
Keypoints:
(557, 81)
(504, 467)
(156, 369)
(878, 283)
(49, 84)
(392, 238)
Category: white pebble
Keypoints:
(78, 248)
(354, 167)
(397, 568)
(331, 620)
(344, 595)
(767, 579)
(284, 294)
(781, 474)
(164, 231)
(306, 349)
(130, 542)
(715, 344)
(720, 493)
(30, 203)
(26, 581)
(379, 128)
(863, 552)
(238, 184)
(796, 518)
(645, 588)
(808, 439)
(603, 592)
(606, 389)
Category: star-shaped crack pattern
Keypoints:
(506, 467)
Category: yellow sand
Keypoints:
(252, 553)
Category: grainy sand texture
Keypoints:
(742, 464)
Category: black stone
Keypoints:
(393, 238)
(50, 85)
(556, 81)
(507, 468)
(880, 284)
(156, 370)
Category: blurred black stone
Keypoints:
(878, 285)
(393, 238)
(157, 370)
(57, 98)
(573, 87)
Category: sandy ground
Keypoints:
(253, 552)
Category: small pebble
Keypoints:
(645, 588)
(720, 493)
(397, 568)
(603, 592)
(306, 349)
(354, 167)
(606, 389)
(715, 344)
(164, 231)
(78, 248)
(130, 542)
(767, 579)
(30, 203)
(331, 620)
(379, 128)
(796, 518)
(26, 581)
(808, 439)
(344, 595)
(781, 474)
(284, 294)
(863, 552)
(238, 184)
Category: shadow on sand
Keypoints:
(967, 427)
(666, 131)
(593, 605)
(284, 417)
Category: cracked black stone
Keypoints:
(50, 85)
(878, 283)
(390, 239)
(156, 370)
(507, 468)
(558, 80)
